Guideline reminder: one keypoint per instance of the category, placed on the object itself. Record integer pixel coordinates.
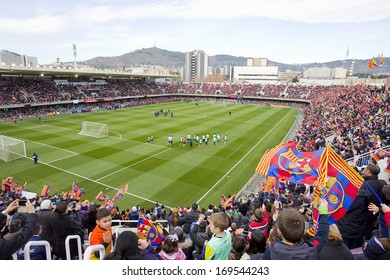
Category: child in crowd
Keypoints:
(291, 228)
(102, 234)
(170, 249)
(37, 252)
(220, 244)
(129, 247)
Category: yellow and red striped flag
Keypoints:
(374, 62)
(382, 59)
(369, 64)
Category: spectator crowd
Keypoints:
(353, 119)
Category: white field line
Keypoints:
(239, 147)
(61, 158)
(96, 182)
(39, 143)
(234, 166)
(18, 128)
(120, 136)
(133, 164)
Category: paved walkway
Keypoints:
(252, 185)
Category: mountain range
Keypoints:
(173, 59)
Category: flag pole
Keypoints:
(374, 192)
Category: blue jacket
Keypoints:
(149, 254)
(36, 252)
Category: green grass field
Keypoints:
(171, 175)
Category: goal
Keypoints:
(94, 129)
(11, 148)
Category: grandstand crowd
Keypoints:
(353, 119)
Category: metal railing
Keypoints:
(362, 160)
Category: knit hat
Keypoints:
(45, 204)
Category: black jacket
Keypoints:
(376, 186)
(8, 247)
(44, 217)
(64, 225)
(353, 223)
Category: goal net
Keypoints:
(11, 148)
(93, 129)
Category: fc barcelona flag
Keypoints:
(227, 202)
(6, 184)
(45, 191)
(109, 204)
(342, 185)
(146, 230)
(120, 192)
(285, 162)
(76, 190)
(101, 197)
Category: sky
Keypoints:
(286, 31)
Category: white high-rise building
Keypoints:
(257, 62)
(14, 59)
(195, 66)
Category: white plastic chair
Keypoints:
(94, 248)
(67, 246)
(45, 243)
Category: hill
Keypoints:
(173, 59)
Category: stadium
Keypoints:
(104, 140)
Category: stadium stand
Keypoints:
(352, 119)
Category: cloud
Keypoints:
(310, 11)
(33, 26)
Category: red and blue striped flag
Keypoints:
(101, 197)
(45, 191)
(76, 190)
(342, 185)
(120, 192)
(146, 230)
(108, 203)
(285, 162)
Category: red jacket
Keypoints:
(261, 224)
(387, 219)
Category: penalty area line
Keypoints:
(61, 158)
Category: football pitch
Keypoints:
(170, 174)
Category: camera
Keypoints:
(22, 202)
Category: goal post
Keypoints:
(94, 129)
(11, 148)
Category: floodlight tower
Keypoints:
(75, 56)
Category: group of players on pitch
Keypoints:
(199, 140)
